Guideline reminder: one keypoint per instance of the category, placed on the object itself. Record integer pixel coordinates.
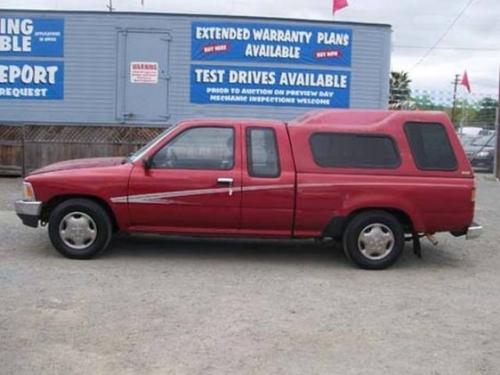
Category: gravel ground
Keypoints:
(182, 306)
(10, 191)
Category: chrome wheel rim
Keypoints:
(78, 230)
(376, 241)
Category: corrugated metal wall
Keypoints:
(92, 59)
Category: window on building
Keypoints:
(430, 146)
(347, 150)
(262, 153)
(198, 148)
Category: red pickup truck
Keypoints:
(371, 179)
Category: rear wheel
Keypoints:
(80, 228)
(374, 239)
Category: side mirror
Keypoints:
(147, 163)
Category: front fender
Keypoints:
(99, 183)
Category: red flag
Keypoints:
(465, 81)
(339, 4)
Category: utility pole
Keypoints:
(110, 6)
(454, 105)
(497, 127)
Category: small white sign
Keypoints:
(144, 72)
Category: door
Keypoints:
(268, 195)
(193, 184)
(144, 72)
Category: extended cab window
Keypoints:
(198, 148)
(346, 150)
(430, 146)
(262, 153)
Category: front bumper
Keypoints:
(474, 231)
(29, 212)
(482, 164)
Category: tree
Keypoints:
(400, 93)
(465, 113)
(487, 111)
(425, 102)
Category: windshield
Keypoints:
(482, 140)
(466, 139)
(140, 152)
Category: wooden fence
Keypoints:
(24, 148)
(11, 150)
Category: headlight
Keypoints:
(28, 192)
(483, 155)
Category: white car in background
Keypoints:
(470, 130)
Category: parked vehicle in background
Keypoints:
(466, 139)
(370, 179)
(470, 131)
(481, 152)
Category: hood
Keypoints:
(471, 151)
(470, 148)
(474, 147)
(78, 164)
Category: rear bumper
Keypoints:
(474, 231)
(29, 212)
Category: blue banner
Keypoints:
(215, 84)
(31, 79)
(267, 42)
(31, 36)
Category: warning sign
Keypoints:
(143, 72)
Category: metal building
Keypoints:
(151, 70)
(118, 67)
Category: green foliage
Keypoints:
(400, 92)
(487, 110)
(482, 112)
(425, 103)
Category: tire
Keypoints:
(374, 240)
(80, 228)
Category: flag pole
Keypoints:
(110, 6)
(454, 104)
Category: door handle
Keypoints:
(226, 181)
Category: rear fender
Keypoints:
(394, 205)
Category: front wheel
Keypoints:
(374, 239)
(80, 228)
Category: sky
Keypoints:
(472, 44)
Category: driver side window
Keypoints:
(198, 148)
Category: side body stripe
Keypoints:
(162, 198)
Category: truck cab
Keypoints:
(215, 177)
